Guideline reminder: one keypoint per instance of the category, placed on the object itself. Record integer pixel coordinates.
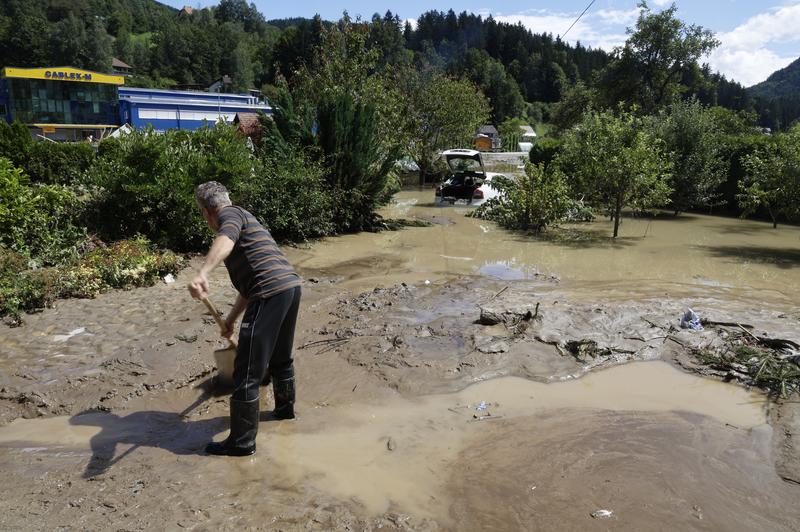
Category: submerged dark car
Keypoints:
(467, 181)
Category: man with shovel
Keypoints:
(269, 296)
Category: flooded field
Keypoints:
(685, 254)
(450, 402)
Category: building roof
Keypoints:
(216, 98)
(116, 63)
(247, 120)
(187, 10)
(488, 129)
(527, 131)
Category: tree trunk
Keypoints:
(422, 174)
(617, 212)
(773, 216)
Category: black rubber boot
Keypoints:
(283, 391)
(244, 427)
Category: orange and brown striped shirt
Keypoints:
(257, 267)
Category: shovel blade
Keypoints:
(224, 360)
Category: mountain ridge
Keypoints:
(783, 82)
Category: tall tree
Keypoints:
(98, 47)
(356, 165)
(439, 113)
(648, 71)
(495, 82)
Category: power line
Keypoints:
(579, 17)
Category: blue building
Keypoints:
(60, 103)
(70, 104)
(170, 109)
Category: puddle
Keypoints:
(397, 454)
(692, 251)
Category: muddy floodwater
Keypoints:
(686, 253)
(439, 388)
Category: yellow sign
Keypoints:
(48, 129)
(61, 74)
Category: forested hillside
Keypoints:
(779, 97)
(520, 72)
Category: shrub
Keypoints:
(37, 220)
(532, 203)
(15, 142)
(125, 264)
(144, 183)
(59, 163)
(545, 151)
(290, 197)
(22, 289)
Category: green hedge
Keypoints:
(15, 142)
(144, 183)
(290, 197)
(59, 163)
(545, 151)
(37, 220)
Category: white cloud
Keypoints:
(777, 25)
(747, 53)
(618, 17)
(749, 66)
(584, 30)
(744, 54)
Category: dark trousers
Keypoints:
(265, 343)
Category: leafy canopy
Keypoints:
(614, 162)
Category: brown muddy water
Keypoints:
(685, 254)
(484, 458)
(412, 415)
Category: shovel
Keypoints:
(223, 357)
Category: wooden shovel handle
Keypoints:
(213, 310)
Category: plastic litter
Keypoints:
(602, 514)
(169, 278)
(65, 337)
(481, 406)
(691, 320)
(427, 281)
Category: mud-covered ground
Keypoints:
(427, 400)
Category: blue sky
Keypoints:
(758, 36)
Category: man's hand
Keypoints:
(199, 286)
(227, 332)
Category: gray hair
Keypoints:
(212, 196)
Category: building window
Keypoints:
(157, 114)
(204, 115)
(35, 101)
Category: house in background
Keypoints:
(121, 68)
(487, 138)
